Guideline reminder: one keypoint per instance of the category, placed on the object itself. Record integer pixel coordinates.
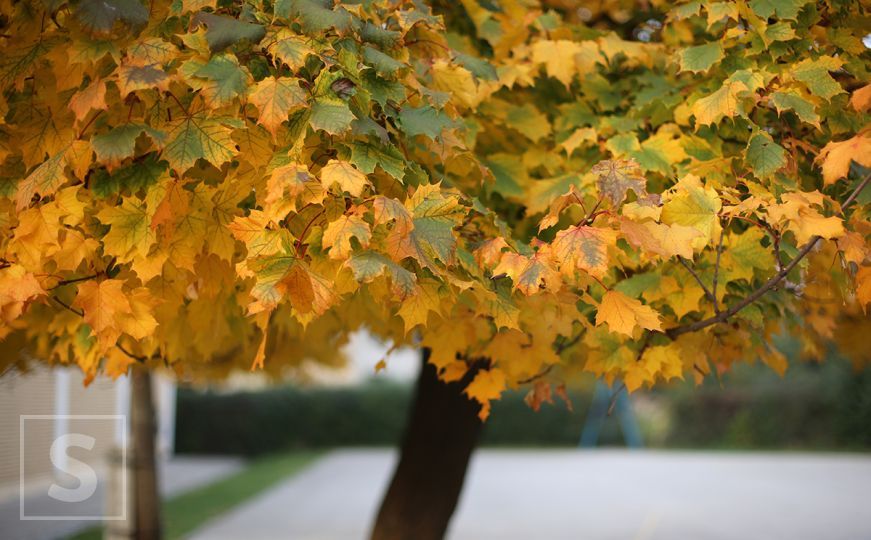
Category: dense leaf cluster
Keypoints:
(637, 192)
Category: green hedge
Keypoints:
(252, 423)
(814, 407)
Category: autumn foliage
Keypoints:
(551, 187)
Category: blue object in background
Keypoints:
(599, 411)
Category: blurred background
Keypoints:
(310, 457)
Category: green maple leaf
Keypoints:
(792, 100)
(101, 15)
(385, 65)
(764, 155)
(223, 32)
(815, 75)
(200, 137)
(129, 229)
(423, 120)
(314, 15)
(701, 57)
(331, 115)
(228, 79)
(368, 265)
(120, 142)
(784, 9)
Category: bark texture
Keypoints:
(443, 429)
(143, 426)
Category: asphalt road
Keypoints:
(597, 495)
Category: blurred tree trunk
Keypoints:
(143, 426)
(443, 429)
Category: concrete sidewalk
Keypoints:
(603, 494)
(177, 475)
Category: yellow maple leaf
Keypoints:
(489, 253)
(348, 177)
(309, 293)
(90, 98)
(660, 239)
(861, 98)
(664, 360)
(101, 303)
(724, 103)
(622, 314)
(415, 308)
(17, 288)
(578, 138)
(275, 98)
(529, 274)
(338, 234)
(138, 323)
(36, 235)
(486, 386)
(863, 286)
(132, 77)
(583, 248)
(693, 205)
(446, 340)
(557, 57)
(457, 81)
(388, 209)
(811, 223)
(837, 156)
(130, 230)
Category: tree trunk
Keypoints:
(442, 431)
(143, 426)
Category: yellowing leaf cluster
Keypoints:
(216, 187)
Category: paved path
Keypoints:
(178, 475)
(596, 495)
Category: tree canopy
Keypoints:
(642, 191)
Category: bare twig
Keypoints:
(716, 272)
(538, 375)
(708, 294)
(138, 358)
(566, 344)
(63, 282)
(67, 306)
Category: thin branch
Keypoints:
(140, 359)
(69, 307)
(708, 294)
(566, 344)
(538, 375)
(717, 272)
(558, 349)
(87, 125)
(592, 213)
(770, 284)
(63, 282)
(299, 243)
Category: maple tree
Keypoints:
(530, 191)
